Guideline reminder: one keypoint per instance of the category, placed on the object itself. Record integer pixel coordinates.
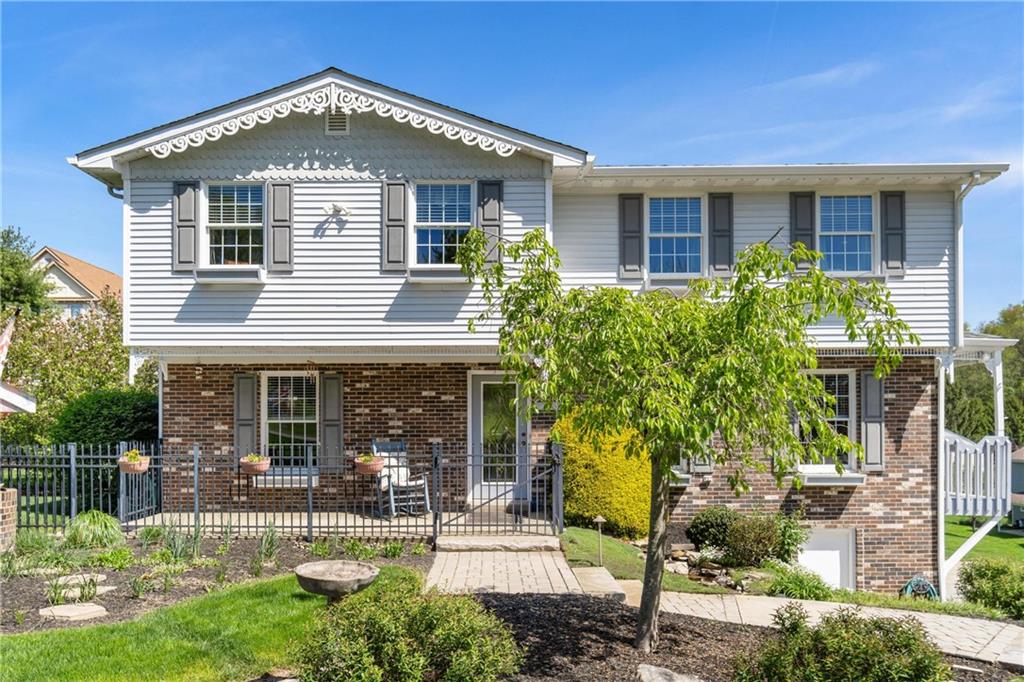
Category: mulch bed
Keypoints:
(26, 595)
(581, 638)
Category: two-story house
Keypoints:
(76, 285)
(289, 260)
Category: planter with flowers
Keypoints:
(133, 462)
(369, 464)
(254, 465)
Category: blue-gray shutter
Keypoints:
(801, 219)
(893, 217)
(394, 226)
(720, 241)
(185, 226)
(631, 236)
(872, 420)
(332, 445)
(489, 200)
(245, 414)
(280, 198)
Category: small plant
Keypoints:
(204, 562)
(140, 585)
(270, 543)
(158, 557)
(221, 576)
(116, 559)
(56, 591)
(256, 566)
(196, 541)
(87, 589)
(225, 546)
(796, 582)
(168, 581)
(133, 462)
(709, 556)
(150, 535)
(178, 544)
(132, 456)
(10, 565)
(393, 550)
(419, 549)
(359, 550)
(253, 464)
(791, 536)
(752, 539)
(19, 617)
(28, 541)
(94, 530)
(321, 548)
(710, 526)
(253, 457)
(995, 583)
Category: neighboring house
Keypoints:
(1017, 485)
(75, 284)
(290, 263)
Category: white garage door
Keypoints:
(830, 554)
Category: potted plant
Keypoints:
(369, 464)
(254, 465)
(133, 462)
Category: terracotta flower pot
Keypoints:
(254, 468)
(374, 466)
(138, 467)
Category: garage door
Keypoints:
(830, 554)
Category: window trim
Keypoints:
(703, 236)
(854, 466)
(411, 234)
(264, 421)
(204, 227)
(876, 256)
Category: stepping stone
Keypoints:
(598, 582)
(75, 592)
(71, 612)
(504, 543)
(81, 578)
(651, 673)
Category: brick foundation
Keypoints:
(8, 517)
(893, 513)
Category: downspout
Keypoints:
(112, 191)
(940, 372)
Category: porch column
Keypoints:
(994, 364)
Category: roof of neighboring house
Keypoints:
(92, 277)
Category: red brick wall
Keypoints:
(8, 517)
(893, 513)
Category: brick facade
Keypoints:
(893, 514)
(8, 517)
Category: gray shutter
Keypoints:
(332, 447)
(245, 414)
(801, 219)
(394, 224)
(281, 221)
(720, 241)
(489, 200)
(894, 232)
(872, 421)
(185, 231)
(631, 236)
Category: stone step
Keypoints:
(598, 582)
(84, 611)
(74, 593)
(498, 543)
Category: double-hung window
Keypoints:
(674, 235)
(443, 218)
(234, 221)
(846, 233)
(840, 386)
(291, 418)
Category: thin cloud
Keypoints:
(848, 73)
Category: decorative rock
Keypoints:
(651, 673)
(74, 593)
(81, 578)
(71, 612)
(678, 567)
(677, 555)
(725, 580)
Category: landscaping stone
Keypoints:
(73, 612)
(597, 581)
(507, 543)
(678, 567)
(74, 593)
(81, 578)
(652, 673)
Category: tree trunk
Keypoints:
(650, 601)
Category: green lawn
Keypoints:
(995, 545)
(621, 560)
(234, 634)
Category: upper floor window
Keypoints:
(846, 233)
(443, 218)
(235, 224)
(674, 235)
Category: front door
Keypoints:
(498, 440)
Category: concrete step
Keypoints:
(498, 543)
(598, 582)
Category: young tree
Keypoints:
(21, 285)
(724, 359)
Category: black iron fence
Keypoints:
(407, 495)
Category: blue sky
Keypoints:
(659, 83)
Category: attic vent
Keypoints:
(336, 123)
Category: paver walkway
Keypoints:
(978, 638)
(512, 572)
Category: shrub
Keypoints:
(94, 530)
(107, 416)
(359, 550)
(270, 542)
(752, 539)
(844, 646)
(116, 559)
(995, 583)
(792, 536)
(391, 631)
(602, 481)
(28, 541)
(797, 582)
(710, 526)
(150, 535)
(321, 548)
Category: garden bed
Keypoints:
(221, 564)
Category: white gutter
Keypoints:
(958, 222)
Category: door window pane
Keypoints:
(499, 425)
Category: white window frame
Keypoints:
(204, 225)
(854, 430)
(703, 236)
(876, 242)
(411, 235)
(264, 414)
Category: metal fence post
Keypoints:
(72, 453)
(195, 486)
(436, 449)
(122, 448)
(558, 511)
(309, 493)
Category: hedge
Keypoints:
(107, 416)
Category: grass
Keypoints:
(995, 545)
(237, 633)
(622, 561)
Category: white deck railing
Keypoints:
(977, 475)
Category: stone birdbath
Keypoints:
(335, 579)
